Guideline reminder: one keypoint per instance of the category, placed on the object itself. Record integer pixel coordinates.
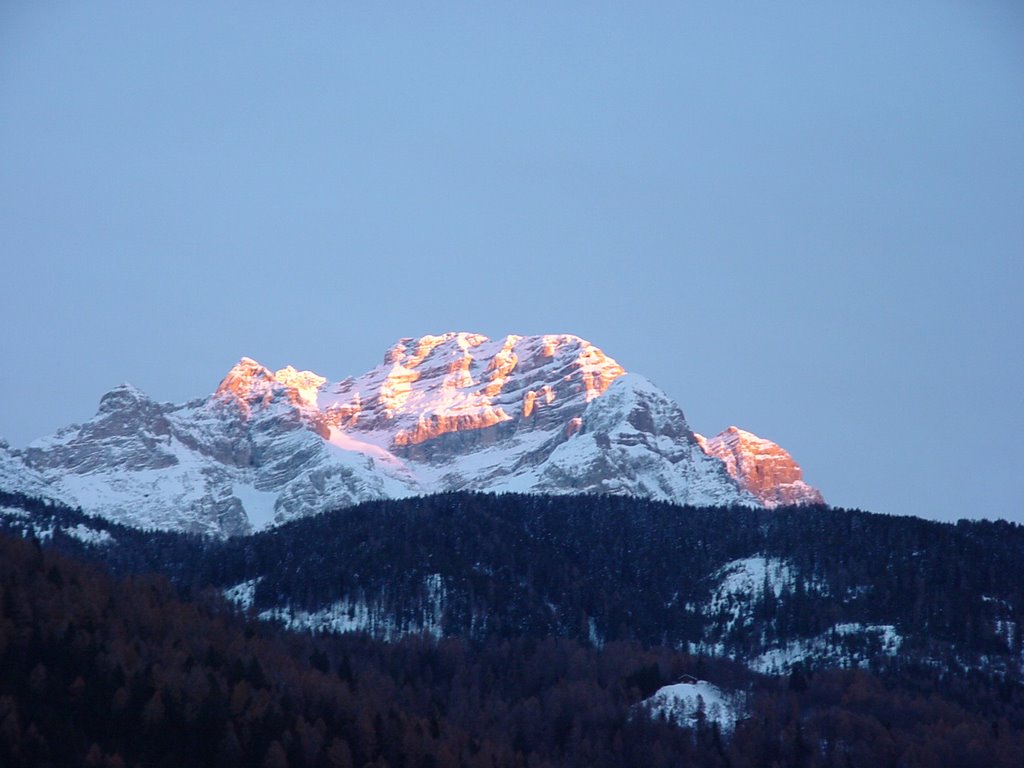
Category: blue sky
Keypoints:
(805, 219)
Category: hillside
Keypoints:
(104, 671)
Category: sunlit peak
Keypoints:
(240, 380)
(305, 383)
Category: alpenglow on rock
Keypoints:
(533, 414)
(761, 467)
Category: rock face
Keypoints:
(18, 477)
(543, 414)
(761, 467)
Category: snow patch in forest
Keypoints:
(1007, 630)
(360, 616)
(844, 645)
(742, 584)
(23, 524)
(1003, 621)
(686, 703)
(89, 535)
(243, 594)
(595, 637)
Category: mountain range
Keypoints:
(545, 414)
(623, 592)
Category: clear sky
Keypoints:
(805, 219)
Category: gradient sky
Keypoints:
(805, 219)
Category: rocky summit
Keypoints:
(761, 467)
(459, 411)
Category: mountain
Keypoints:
(539, 414)
(761, 467)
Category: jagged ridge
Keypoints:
(459, 411)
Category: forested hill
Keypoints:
(97, 670)
(803, 584)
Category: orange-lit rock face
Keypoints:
(539, 398)
(248, 384)
(434, 386)
(435, 425)
(302, 386)
(344, 416)
(598, 372)
(251, 385)
(761, 467)
(501, 365)
(528, 401)
(440, 397)
(460, 382)
(396, 389)
(244, 378)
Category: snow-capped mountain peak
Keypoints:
(762, 467)
(120, 396)
(245, 376)
(456, 411)
(461, 382)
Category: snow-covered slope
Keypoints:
(545, 414)
(222, 466)
(690, 701)
(18, 477)
(632, 440)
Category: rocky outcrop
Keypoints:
(634, 440)
(18, 477)
(536, 414)
(463, 382)
(761, 467)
